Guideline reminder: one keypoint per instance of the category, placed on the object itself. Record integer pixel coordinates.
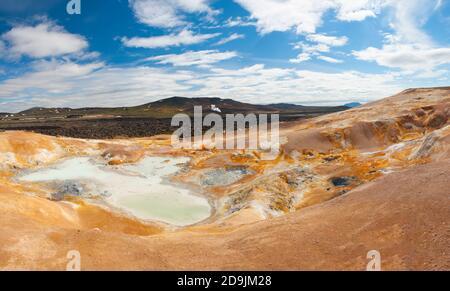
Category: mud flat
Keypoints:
(137, 189)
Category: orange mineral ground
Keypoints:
(371, 178)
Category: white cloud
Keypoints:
(274, 15)
(312, 49)
(198, 58)
(168, 13)
(323, 44)
(308, 51)
(239, 21)
(233, 37)
(185, 37)
(258, 84)
(43, 40)
(65, 84)
(303, 57)
(240, 72)
(358, 15)
(358, 10)
(328, 40)
(305, 16)
(408, 18)
(407, 57)
(51, 77)
(330, 60)
(409, 49)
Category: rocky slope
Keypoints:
(371, 178)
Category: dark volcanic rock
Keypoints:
(343, 181)
(67, 189)
(224, 176)
(96, 129)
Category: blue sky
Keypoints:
(122, 53)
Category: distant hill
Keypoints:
(286, 106)
(166, 108)
(144, 120)
(306, 109)
(187, 105)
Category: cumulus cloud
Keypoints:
(328, 40)
(305, 16)
(323, 44)
(198, 58)
(408, 57)
(358, 10)
(273, 15)
(185, 37)
(43, 40)
(233, 37)
(168, 13)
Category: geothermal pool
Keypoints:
(139, 189)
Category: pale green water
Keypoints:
(138, 189)
(158, 206)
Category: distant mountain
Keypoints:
(166, 108)
(44, 111)
(187, 105)
(307, 109)
(353, 104)
(286, 106)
